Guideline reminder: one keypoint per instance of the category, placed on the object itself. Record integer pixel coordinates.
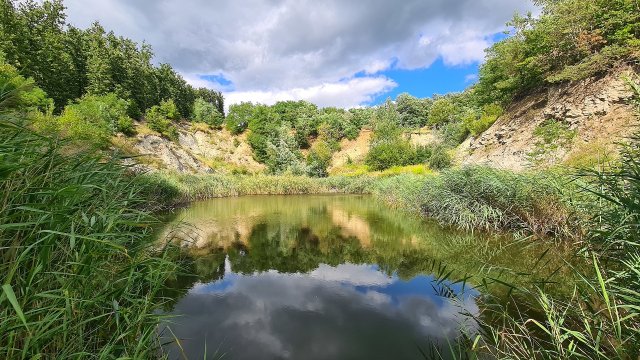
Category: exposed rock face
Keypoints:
(172, 156)
(597, 110)
(199, 151)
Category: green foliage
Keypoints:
(386, 154)
(159, 118)
(442, 111)
(551, 135)
(319, 159)
(282, 154)
(454, 133)
(125, 126)
(28, 97)
(91, 119)
(484, 198)
(478, 125)
(206, 112)
(239, 117)
(181, 188)
(414, 112)
(440, 158)
(80, 268)
(67, 62)
(571, 40)
(264, 127)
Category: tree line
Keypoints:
(69, 63)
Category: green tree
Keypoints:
(239, 117)
(414, 112)
(207, 113)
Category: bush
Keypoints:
(73, 125)
(125, 126)
(207, 113)
(157, 120)
(440, 158)
(319, 159)
(92, 119)
(423, 154)
(239, 117)
(384, 155)
(478, 125)
(454, 133)
(169, 110)
(283, 157)
(19, 93)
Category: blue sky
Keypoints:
(436, 79)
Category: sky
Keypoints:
(330, 52)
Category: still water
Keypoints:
(318, 277)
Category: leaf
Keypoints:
(11, 296)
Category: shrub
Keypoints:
(440, 158)
(283, 157)
(264, 127)
(91, 119)
(207, 113)
(453, 133)
(319, 159)
(19, 93)
(169, 110)
(386, 154)
(423, 154)
(478, 125)
(125, 126)
(239, 117)
(158, 121)
(73, 125)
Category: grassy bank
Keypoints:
(79, 268)
(476, 198)
(173, 189)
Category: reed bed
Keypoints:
(79, 269)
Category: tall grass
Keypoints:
(173, 188)
(601, 320)
(491, 199)
(79, 271)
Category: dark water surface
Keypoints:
(318, 277)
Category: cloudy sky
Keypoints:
(331, 52)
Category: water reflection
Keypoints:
(342, 312)
(320, 277)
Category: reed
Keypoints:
(79, 269)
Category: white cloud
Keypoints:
(345, 94)
(277, 49)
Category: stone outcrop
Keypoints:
(597, 110)
(196, 151)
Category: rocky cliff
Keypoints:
(198, 149)
(561, 124)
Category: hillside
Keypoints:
(197, 149)
(574, 124)
(568, 123)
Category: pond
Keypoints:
(322, 277)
